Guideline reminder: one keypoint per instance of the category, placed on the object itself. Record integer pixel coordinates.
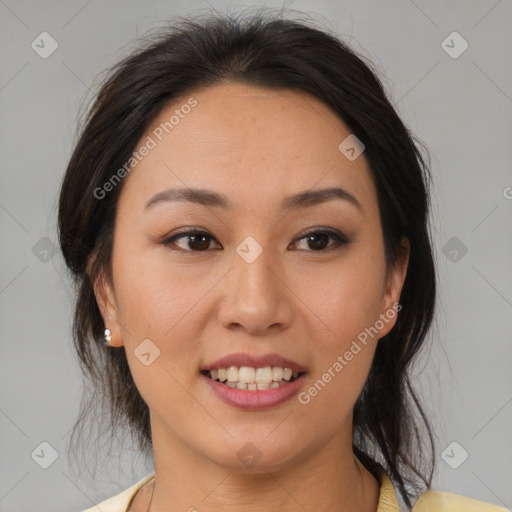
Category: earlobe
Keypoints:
(107, 305)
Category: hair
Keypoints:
(260, 50)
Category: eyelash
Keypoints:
(339, 239)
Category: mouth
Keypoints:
(254, 388)
(247, 378)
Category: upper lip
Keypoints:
(243, 359)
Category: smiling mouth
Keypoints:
(253, 379)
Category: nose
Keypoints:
(256, 297)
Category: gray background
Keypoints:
(460, 107)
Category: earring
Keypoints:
(108, 336)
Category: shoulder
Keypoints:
(440, 501)
(121, 501)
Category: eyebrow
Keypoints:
(208, 197)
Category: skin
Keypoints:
(256, 146)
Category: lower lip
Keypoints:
(257, 399)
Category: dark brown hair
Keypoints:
(260, 50)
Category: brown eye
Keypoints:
(318, 240)
(198, 241)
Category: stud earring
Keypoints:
(108, 336)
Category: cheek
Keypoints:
(346, 299)
(156, 303)
(152, 296)
(347, 307)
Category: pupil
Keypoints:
(202, 246)
(321, 245)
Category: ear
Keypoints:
(395, 279)
(106, 300)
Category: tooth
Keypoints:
(232, 374)
(253, 378)
(274, 385)
(264, 375)
(287, 374)
(277, 373)
(246, 374)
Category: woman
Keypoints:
(246, 218)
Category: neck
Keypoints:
(188, 481)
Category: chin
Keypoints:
(252, 452)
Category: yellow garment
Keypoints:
(429, 501)
(432, 501)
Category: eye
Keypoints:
(319, 239)
(198, 241)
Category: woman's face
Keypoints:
(251, 281)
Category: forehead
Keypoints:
(249, 142)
